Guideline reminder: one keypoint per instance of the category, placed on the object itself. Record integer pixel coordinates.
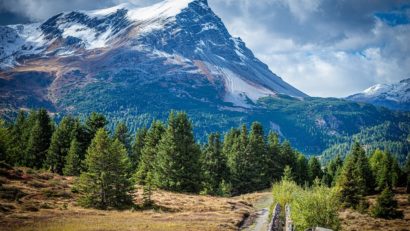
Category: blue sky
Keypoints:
(323, 47)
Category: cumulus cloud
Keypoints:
(323, 47)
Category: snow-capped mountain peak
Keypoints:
(395, 96)
(186, 33)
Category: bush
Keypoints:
(315, 206)
(386, 206)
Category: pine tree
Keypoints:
(332, 171)
(106, 182)
(16, 146)
(362, 164)
(287, 156)
(177, 166)
(39, 140)
(274, 167)
(137, 147)
(122, 134)
(302, 170)
(256, 153)
(239, 162)
(352, 180)
(148, 189)
(60, 145)
(149, 153)
(314, 169)
(386, 206)
(93, 123)
(73, 164)
(4, 140)
(214, 166)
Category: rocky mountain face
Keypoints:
(393, 96)
(136, 64)
(181, 39)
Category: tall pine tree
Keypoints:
(106, 182)
(145, 170)
(214, 166)
(73, 163)
(352, 181)
(137, 146)
(177, 167)
(39, 140)
(60, 144)
(274, 167)
(122, 134)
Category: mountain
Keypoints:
(184, 37)
(136, 64)
(394, 96)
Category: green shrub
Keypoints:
(386, 206)
(311, 207)
(317, 206)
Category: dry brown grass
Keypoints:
(355, 221)
(47, 203)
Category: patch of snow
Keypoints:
(107, 11)
(88, 35)
(165, 9)
(238, 91)
(208, 26)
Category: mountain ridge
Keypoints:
(187, 34)
(394, 96)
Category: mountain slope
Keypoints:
(184, 36)
(135, 64)
(393, 96)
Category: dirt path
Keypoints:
(261, 221)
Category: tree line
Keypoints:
(167, 156)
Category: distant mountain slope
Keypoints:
(393, 96)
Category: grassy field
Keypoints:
(354, 221)
(35, 200)
(32, 200)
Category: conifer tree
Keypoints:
(256, 155)
(137, 147)
(239, 162)
(106, 182)
(386, 206)
(314, 169)
(274, 167)
(39, 140)
(149, 153)
(287, 155)
(4, 139)
(60, 145)
(73, 164)
(214, 166)
(352, 180)
(362, 164)
(332, 171)
(302, 170)
(122, 134)
(16, 146)
(93, 123)
(177, 166)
